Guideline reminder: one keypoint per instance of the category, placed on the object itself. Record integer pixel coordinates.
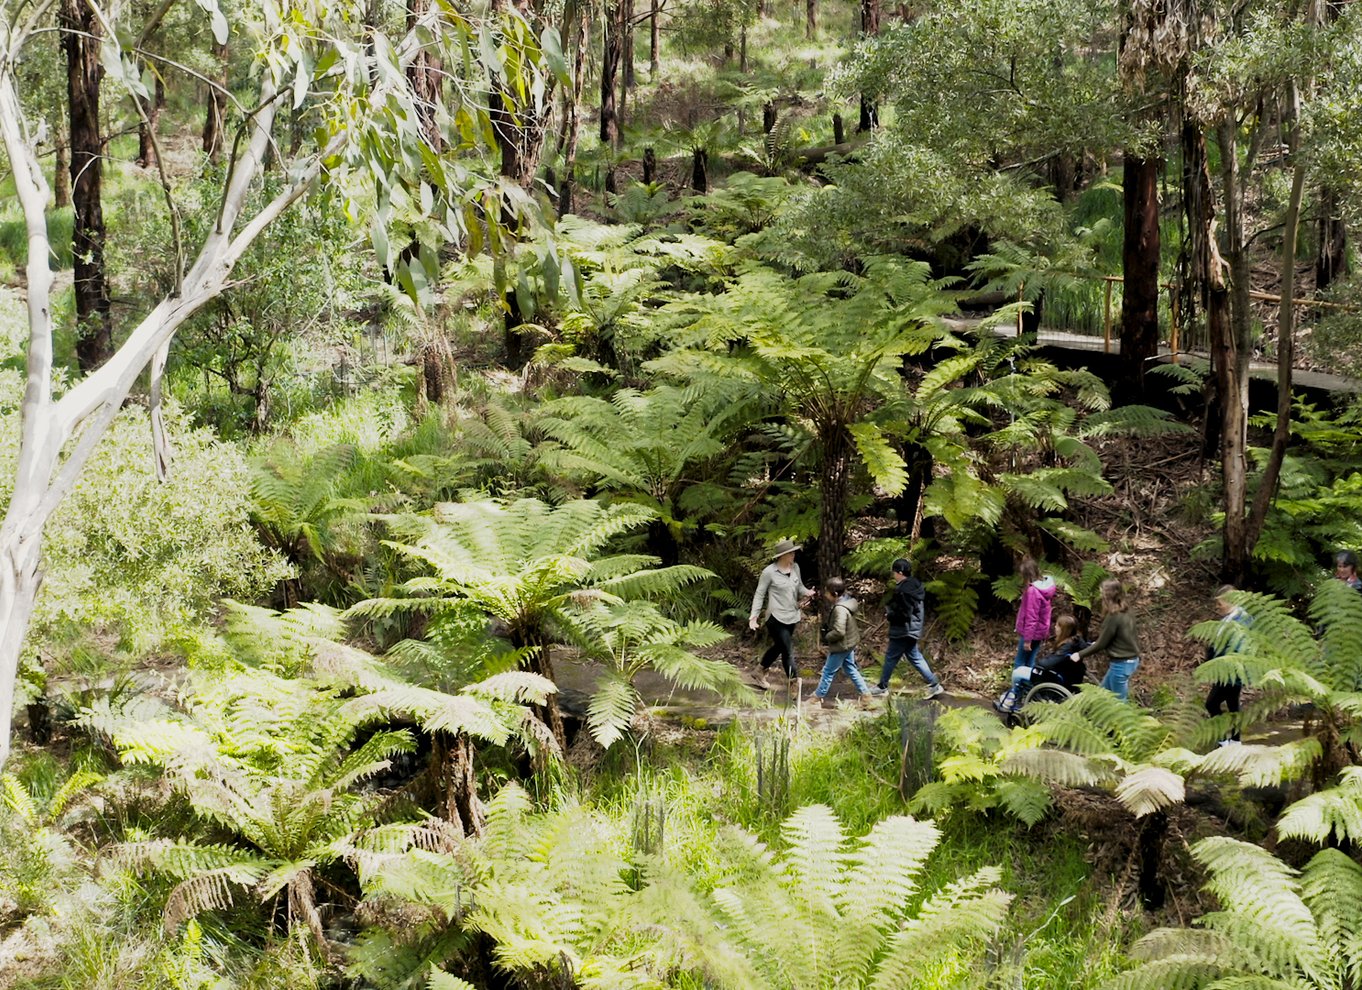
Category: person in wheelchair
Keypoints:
(1057, 668)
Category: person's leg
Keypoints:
(853, 671)
(1117, 678)
(834, 663)
(782, 645)
(1024, 656)
(1214, 700)
(920, 662)
(898, 646)
(1232, 692)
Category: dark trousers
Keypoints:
(782, 645)
(1227, 695)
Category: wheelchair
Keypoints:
(1045, 684)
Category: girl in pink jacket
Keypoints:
(1033, 613)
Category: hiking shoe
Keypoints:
(764, 681)
(827, 702)
(935, 690)
(875, 691)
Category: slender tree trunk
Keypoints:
(1140, 266)
(94, 324)
(628, 77)
(217, 103)
(834, 487)
(742, 49)
(649, 164)
(1286, 329)
(1234, 353)
(810, 18)
(654, 39)
(1153, 837)
(870, 25)
(612, 52)
(574, 103)
(839, 129)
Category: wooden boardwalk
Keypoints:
(1065, 340)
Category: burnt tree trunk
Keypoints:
(839, 129)
(699, 170)
(1140, 266)
(217, 103)
(649, 164)
(1331, 260)
(1153, 832)
(81, 33)
(768, 117)
(870, 25)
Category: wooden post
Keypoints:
(1106, 317)
(1020, 289)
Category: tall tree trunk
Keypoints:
(574, 103)
(1234, 351)
(654, 39)
(870, 25)
(1140, 266)
(1286, 328)
(612, 52)
(216, 105)
(834, 487)
(810, 18)
(94, 324)
(628, 77)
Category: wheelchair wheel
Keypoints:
(1047, 692)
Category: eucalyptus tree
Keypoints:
(318, 54)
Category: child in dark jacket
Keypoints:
(1058, 662)
(841, 634)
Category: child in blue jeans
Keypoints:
(841, 634)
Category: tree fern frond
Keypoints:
(1148, 789)
(1335, 811)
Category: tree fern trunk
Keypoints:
(1140, 266)
(455, 783)
(1153, 834)
(834, 489)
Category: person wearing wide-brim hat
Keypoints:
(782, 593)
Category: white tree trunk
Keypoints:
(84, 413)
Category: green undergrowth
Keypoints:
(702, 783)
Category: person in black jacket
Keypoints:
(905, 613)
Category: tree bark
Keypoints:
(1286, 330)
(612, 52)
(217, 104)
(1331, 260)
(455, 782)
(1153, 835)
(768, 117)
(146, 127)
(1233, 350)
(1140, 266)
(61, 170)
(574, 103)
(834, 487)
(654, 38)
(839, 129)
(81, 33)
(649, 164)
(810, 18)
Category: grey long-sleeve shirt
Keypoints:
(780, 593)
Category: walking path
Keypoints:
(1065, 340)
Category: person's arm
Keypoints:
(1103, 640)
(837, 628)
(759, 598)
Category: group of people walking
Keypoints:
(1049, 648)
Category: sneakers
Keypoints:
(875, 691)
(1228, 742)
(935, 690)
(764, 681)
(1008, 703)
